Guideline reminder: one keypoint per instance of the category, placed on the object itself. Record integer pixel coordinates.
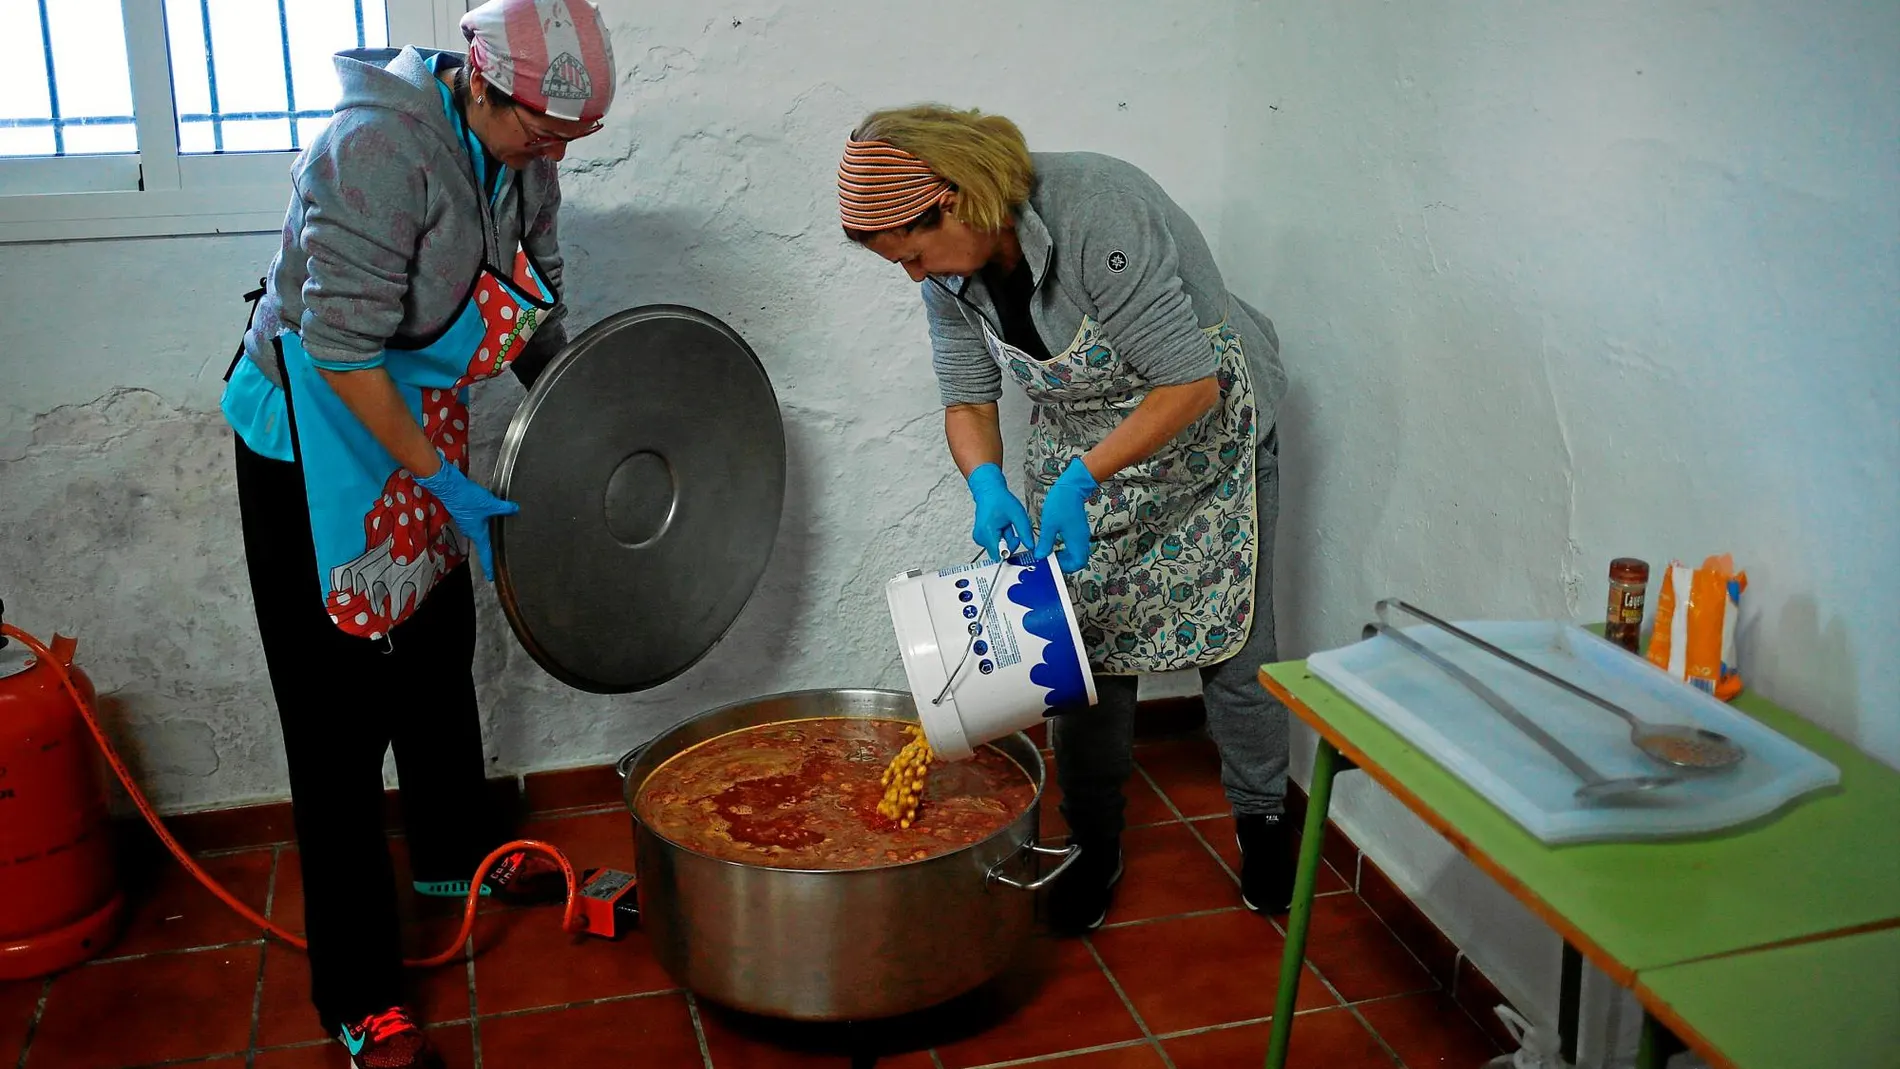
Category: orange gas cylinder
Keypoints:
(60, 901)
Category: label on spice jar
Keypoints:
(1623, 622)
(1626, 603)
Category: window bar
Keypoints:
(52, 84)
(290, 82)
(211, 77)
(242, 116)
(77, 120)
(361, 41)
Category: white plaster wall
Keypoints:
(713, 186)
(1566, 281)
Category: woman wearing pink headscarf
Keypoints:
(419, 257)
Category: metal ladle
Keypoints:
(1595, 787)
(1693, 748)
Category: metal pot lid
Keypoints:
(649, 464)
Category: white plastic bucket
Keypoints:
(989, 649)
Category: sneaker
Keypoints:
(1079, 900)
(388, 1040)
(523, 878)
(1266, 863)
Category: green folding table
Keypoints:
(1832, 1003)
(1827, 864)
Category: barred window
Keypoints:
(124, 117)
(68, 89)
(253, 75)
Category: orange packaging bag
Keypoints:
(1694, 639)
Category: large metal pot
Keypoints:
(834, 945)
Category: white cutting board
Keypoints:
(1457, 729)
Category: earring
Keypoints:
(481, 100)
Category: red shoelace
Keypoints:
(388, 1024)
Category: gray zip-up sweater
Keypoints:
(384, 234)
(1102, 239)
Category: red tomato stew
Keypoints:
(803, 795)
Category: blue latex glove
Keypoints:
(470, 507)
(1000, 514)
(1065, 520)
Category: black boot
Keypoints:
(1266, 863)
(1078, 900)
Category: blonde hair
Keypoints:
(983, 156)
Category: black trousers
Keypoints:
(343, 702)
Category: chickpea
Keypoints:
(903, 779)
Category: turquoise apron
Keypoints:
(383, 541)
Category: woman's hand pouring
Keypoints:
(1064, 519)
(1000, 515)
(470, 507)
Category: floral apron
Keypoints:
(1169, 583)
(383, 541)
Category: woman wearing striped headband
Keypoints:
(1152, 457)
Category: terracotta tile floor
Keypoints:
(1179, 977)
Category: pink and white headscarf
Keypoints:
(552, 55)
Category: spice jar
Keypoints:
(1629, 584)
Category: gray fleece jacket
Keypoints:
(384, 234)
(1102, 239)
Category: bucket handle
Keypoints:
(989, 597)
(1068, 855)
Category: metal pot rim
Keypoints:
(630, 791)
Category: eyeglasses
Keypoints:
(543, 139)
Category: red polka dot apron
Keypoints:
(1169, 583)
(382, 541)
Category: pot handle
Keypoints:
(1067, 854)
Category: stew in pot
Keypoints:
(804, 794)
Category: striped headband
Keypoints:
(880, 186)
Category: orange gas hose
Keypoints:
(570, 921)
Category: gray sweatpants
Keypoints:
(1095, 748)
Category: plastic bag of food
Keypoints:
(1694, 637)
